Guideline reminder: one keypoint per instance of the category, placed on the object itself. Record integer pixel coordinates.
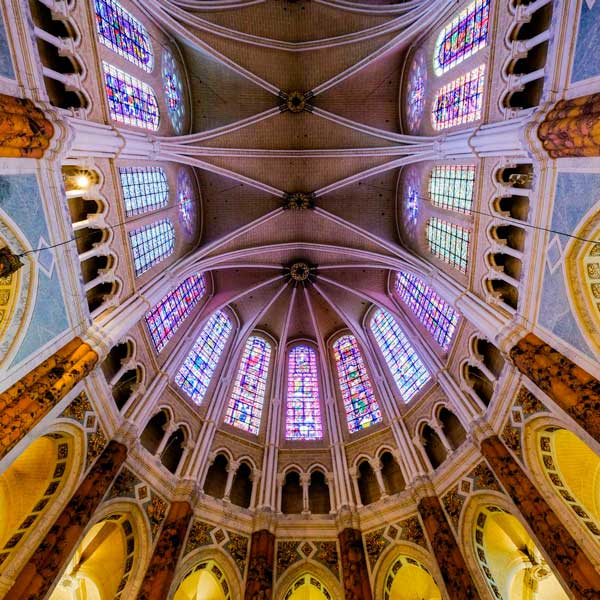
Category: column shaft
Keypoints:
(354, 566)
(452, 564)
(259, 581)
(568, 558)
(51, 556)
(160, 571)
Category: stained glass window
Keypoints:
(173, 89)
(185, 201)
(151, 243)
(166, 317)
(451, 187)
(449, 242)
(362, 409)
(303, 412)
(412, 204)
(248, 395)
(459, 101)
(130, 101)
(406, 367)
(123, 33)
(462, 37)
(199, 366)
(438, 317)
(144, 190)
(415, 100)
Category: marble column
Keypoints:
(160, 571)
(355, 576)
(24, 130)
(52, 555)
(571, 387)
(567, 557)
(259, 580)
(572, 128)
(25, 403)
(454, 570)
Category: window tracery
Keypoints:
(417, 86)
(438, 317)
(185, 201)
(449, 242)
(144, 189)
(173, 89)
(151, 243)
(362, 409)
(303, 412)
(196, 372)
(247, 398)
(407, 369)
(451, 187)
(168, 315)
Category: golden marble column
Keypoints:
(355, 576)
(259, 580)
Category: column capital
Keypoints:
(346, 518)
(421, 487)
(264, 519)
(479, 430)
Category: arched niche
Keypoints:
(452, 427)
(154, 431)
(510, 561)
(216, 476)
(241, 487)
(319, 502)
(291, 494)
(367, 483)
(391, 473)
(173, 451)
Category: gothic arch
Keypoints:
(310, 567)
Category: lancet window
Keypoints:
(303, 410)
(195, 374)
(407, 369)
(167, 316)
(362, 409)
(438, 317)
(123, 33)
(248, 396)
(449, 242)
(151, 243)
(451, 187)
(144, 190)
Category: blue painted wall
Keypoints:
(586, 62)
(6, 64)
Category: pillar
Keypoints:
(24, 130)
(28, 401)
(454, 570)
(572, 128)
(575, 568)
(259, 580)
(53, 553)
(571, 387)
(160, 571)
(355, 576)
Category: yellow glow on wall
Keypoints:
(413, 583)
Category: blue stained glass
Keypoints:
(415, 97)
(144, 190)
(123, 33)
(151, 243)
(406, 367)
(185, 202)
(303, 412)
(248, 395)
(165, 318)
(173, 90)
(198, 368)
(449, 242)
(362, 409)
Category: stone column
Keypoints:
(572, 128)
(160, 571)
(43, 568)
(355, 576)
(305, 483)
(28, 401)
(454, 570)
(232, 468)
(376, 466)
(567, 557)
(24, 130)
(571, 387)
(259, 580)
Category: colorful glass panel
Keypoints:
(173, 90)
(164, 319)
(406, 367)
(362, 409)
(123, 33)
(451, 187)
(199, 366)
(248, 396)
(185, 202)
(438, 317)
(412, 205)
(462, 37)
(151, 243)
(144, 190)
(449, 242)
(460, 101)
(417, 84)
(130, 101)
(303, 412)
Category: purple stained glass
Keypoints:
(164, 319)
(303, 409)
(362, 409)
(185, 202)
(438, 317)
(173, 89)
(248, 396)
(415, 98)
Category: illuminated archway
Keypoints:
(408, 579)
(206, 581)
(308, 587)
